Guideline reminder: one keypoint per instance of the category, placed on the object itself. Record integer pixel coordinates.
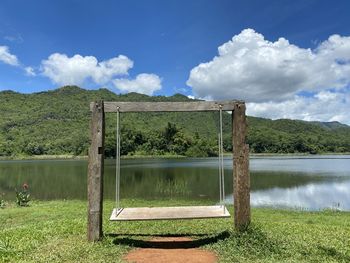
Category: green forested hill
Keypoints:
(57, 122)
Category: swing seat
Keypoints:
(169, 213)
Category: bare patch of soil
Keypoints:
(170, 250)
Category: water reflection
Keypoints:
(338, 165)
(311, 183)
(312, 196)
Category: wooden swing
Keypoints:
(168, 213)
(240, 173)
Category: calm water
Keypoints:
(294, 182)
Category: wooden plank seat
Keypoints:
(169, 213)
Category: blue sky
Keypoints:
(167, 47)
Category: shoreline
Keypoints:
(170, 156)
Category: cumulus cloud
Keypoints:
(143, 83)
(75, 70)
(29, 71)
(323, 106)
(8, 58)
(64, 70)
(252, 68)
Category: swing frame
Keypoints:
(170, 213)
(241, 187)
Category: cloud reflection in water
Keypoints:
(313, 196)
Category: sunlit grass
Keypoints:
(55, 231)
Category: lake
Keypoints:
(297, 182)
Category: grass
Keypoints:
(55, 231)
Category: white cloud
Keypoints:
(143, 83)
(257, 70)
(65, 70)
(323, 106)
(272, 76)
(77, 69)
(29, 71)
(8, 58)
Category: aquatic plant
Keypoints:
(23, 196)
(2, 201)
(173, 188)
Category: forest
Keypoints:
(56, 122)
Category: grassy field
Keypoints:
(55, 231)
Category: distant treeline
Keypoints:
(170, 140)
(57, 122)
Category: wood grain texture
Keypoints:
(241, 176)
(170, 213)
(110, 106)
(95, 173)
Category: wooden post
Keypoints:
(95, 172)
(241, 177)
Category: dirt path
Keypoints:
(170, 250)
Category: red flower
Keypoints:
(25, 186)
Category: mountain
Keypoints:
(333, 125)
(57, 122)
(288, 136)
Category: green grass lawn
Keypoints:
(55, 231)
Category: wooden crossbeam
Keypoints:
(112, 106)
